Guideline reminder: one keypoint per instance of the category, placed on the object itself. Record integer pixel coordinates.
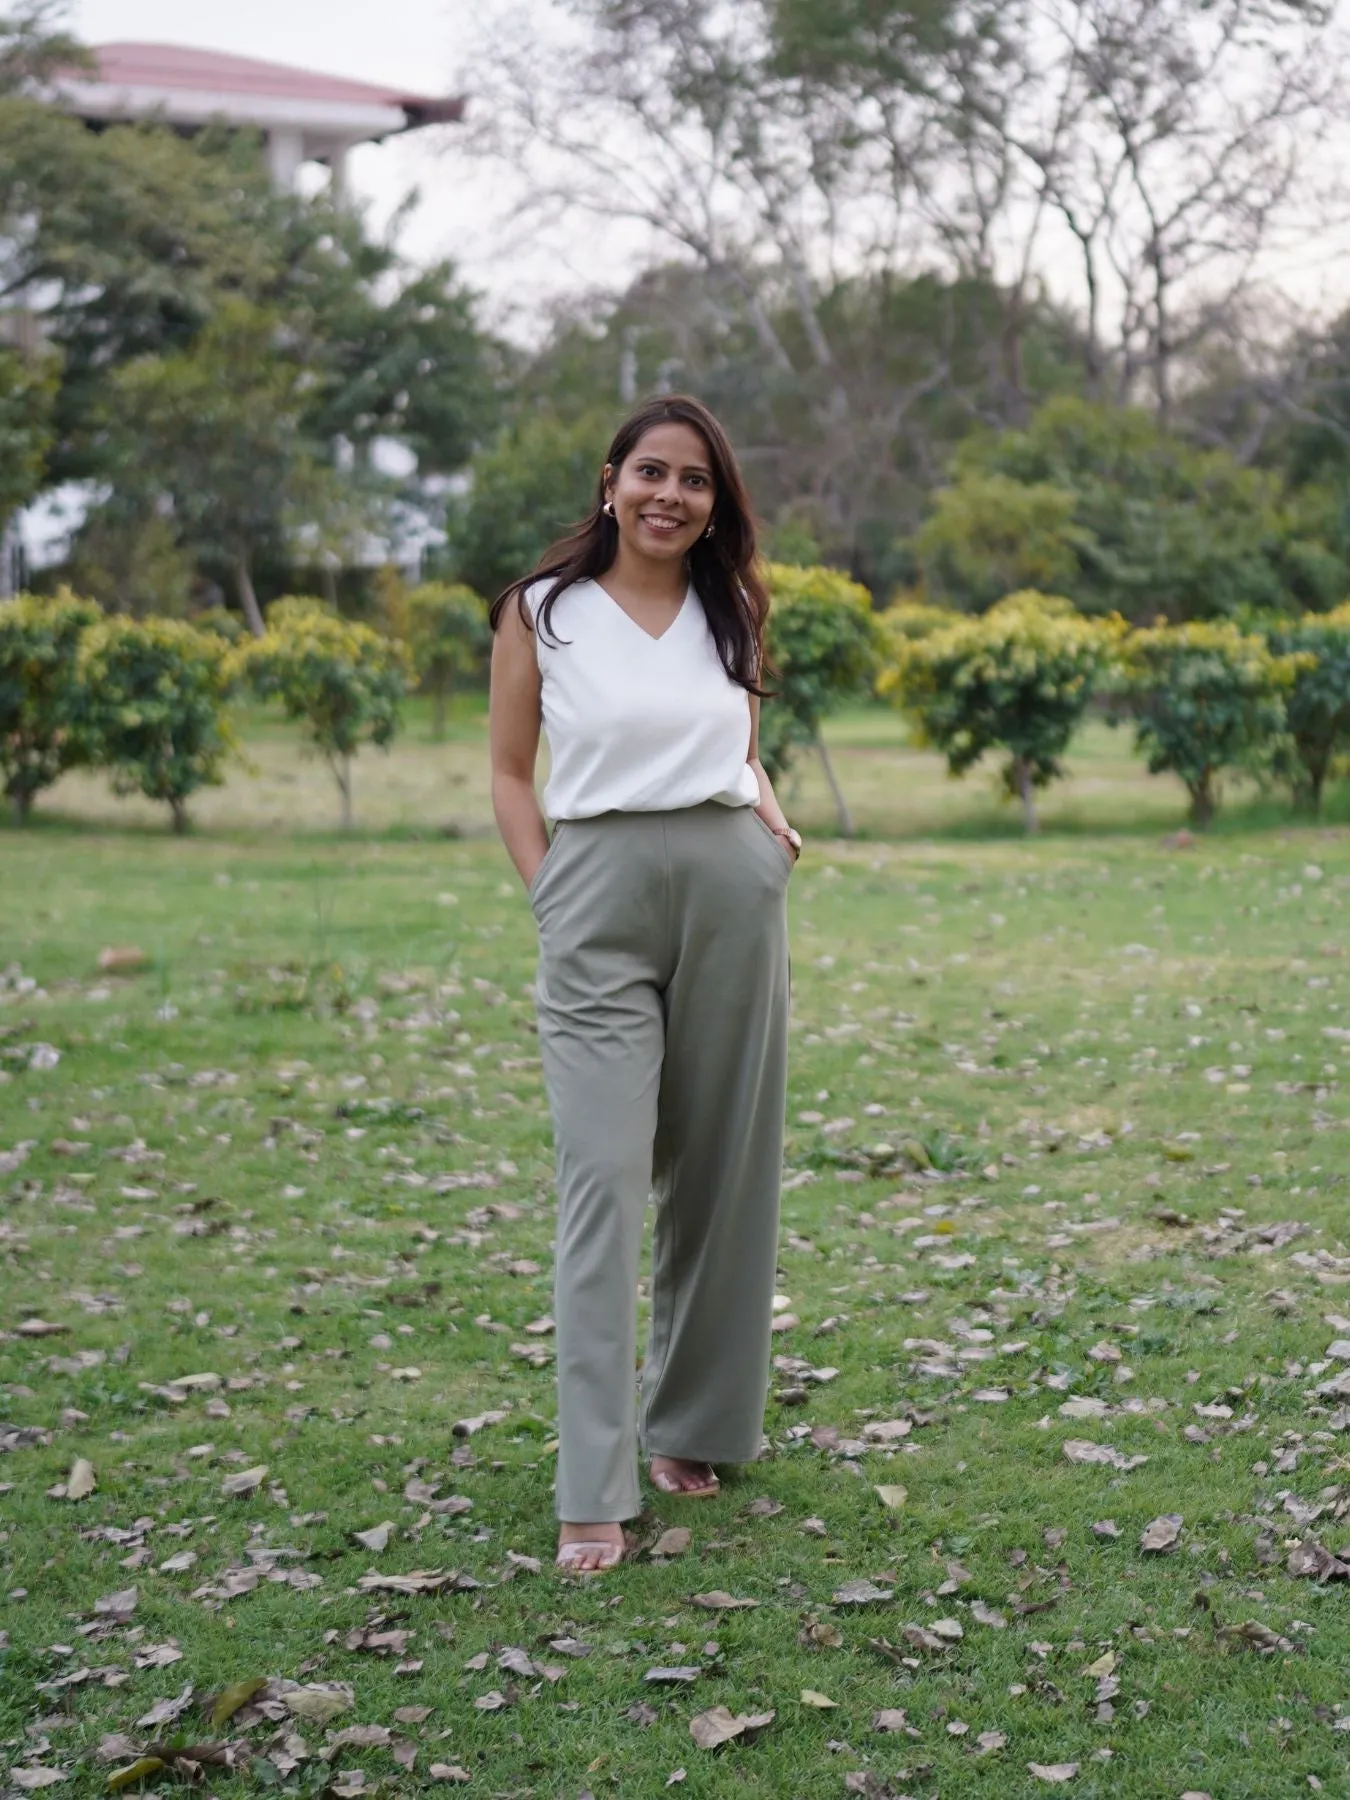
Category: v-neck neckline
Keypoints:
(651, 637)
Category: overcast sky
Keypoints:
(418, 44)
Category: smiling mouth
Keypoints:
(662, 526)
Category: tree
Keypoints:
(525, 490)
(1156, 526)
(744, 184)
(1206, 698)
(28, 383)
(822, 643)
(1019, 680)
(156, 692)
(1149, 152)
(342, 681)
(449, 638)
(41, 699)
(129, 556)
(1318, 703)
(34, 47)
(123, 246)
(217, 431)
(989, 536)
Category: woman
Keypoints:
(663, 973)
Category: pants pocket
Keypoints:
(532, 891)
(780, 847)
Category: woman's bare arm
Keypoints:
(514, 721)
(768, 809)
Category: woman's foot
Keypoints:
(590, 1549)
(687, 1480)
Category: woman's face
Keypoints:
(662, 492)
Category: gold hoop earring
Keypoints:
(608, 509)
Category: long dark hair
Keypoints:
(723, 568)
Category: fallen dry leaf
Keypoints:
(1080, 1450)
(1053, 1771)
(891, 1496)
(448, 1772)
(377, 1538)
(719, 1726)
(317, 1701)
(122, 1603)
(135, 1773)
(673, 1542)
(82, 1480)
(718, 1601)
(30, 1780)
(810, 1697)
(1162, 1533)
(887, 1431)
(1259, 1636)
(672, 1675)
(763, 1508)
(122, 959)
(247, 1481)
(467, 1427)
(227, 1703)
(861, 1593)
(165, 1711)
(890, 1718)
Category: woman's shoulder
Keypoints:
(538, 591)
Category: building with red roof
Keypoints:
(302, 116)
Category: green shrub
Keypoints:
(825, 647)
(342, 681)
(1207, 697)
(41, 699)
(1318, 703)
(156, 698)
(449, 637)
(224, 623)
(1017, 680)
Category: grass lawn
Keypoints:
(302, 1156)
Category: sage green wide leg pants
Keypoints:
(663, 997)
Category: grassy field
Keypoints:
(301, 1158)
(895, 791)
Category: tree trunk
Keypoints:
(1202, 801)
(438, 714)
(342, 771)
(248, 600)
(843, 817)
(1026, 792)
(23, 805)
(1317, 774)
(181, 822)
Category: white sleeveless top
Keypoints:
(637, 723)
